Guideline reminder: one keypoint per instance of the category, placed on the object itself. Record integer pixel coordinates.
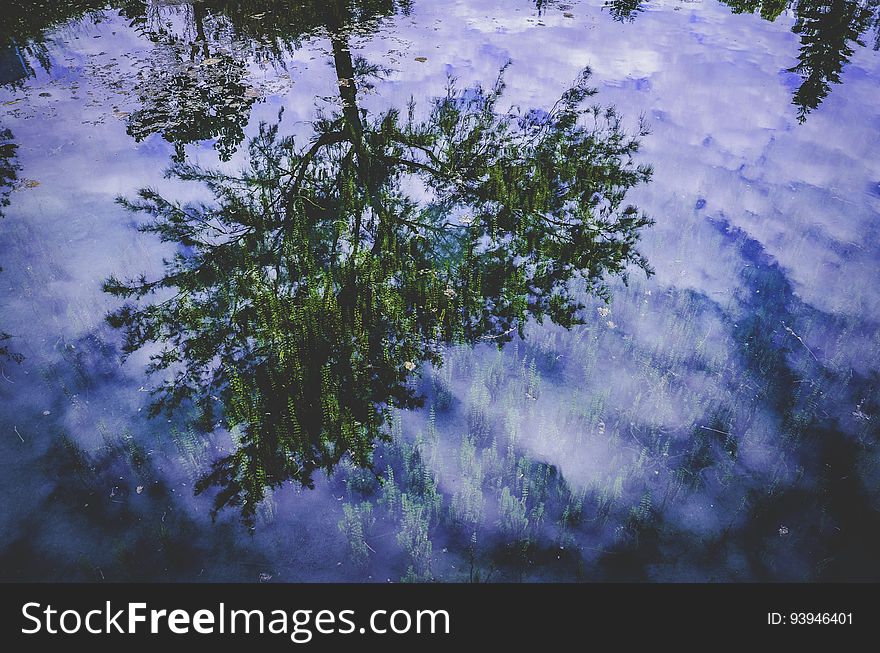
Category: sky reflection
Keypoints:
(717, 421)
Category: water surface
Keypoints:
(714, 421)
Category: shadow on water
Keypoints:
(114, 511)
(828, 495)
(816, 519)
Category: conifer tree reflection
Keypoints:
(8, 166)
(303, 300)
(828, 29)
(768, 9)
(624, 11)
(8, 176)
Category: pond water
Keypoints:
(714, 420)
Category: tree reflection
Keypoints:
(23, 32)
(192, 90)
(624, 11)
(272, 27)
(8, 167)
(195, 88)
(769, 9)
(8, 176)
(302, 301)
(828, 31)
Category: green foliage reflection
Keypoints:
(304, 298)
(828, 30)
(8, 177)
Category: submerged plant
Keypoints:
(413, 538)
(356, 522)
